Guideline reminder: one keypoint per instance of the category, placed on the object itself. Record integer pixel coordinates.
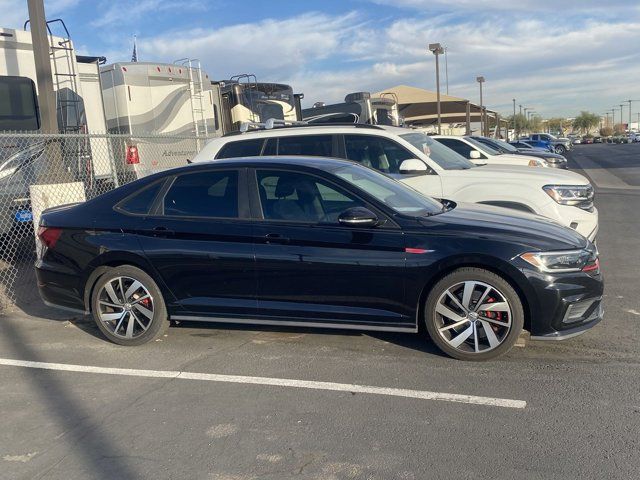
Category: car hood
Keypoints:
(505, 224)
(516, 173)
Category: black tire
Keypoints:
(156, 323)
(560, 149)
(502, 289)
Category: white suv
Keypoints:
(480, 153)
(426, 165)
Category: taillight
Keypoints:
(49, 236)
(592, 267)
(132, 155)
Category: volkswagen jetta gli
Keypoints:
(315, 242)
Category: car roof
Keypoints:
(322, 163)
(314, 129)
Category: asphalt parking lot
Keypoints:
(214, 402)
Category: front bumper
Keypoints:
(564, 305)
(582, 221)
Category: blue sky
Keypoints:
(559, 57)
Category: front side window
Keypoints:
(242, 148)
(203, 194)
(312, 145)
(457, 146)
(446, 158)
(375, 152)
(299, 197)
(18, 105)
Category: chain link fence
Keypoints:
(52, 169)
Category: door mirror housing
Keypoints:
(358, 217)
(474, 155)
(413, 166)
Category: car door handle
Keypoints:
(275, 238)
(162, 232)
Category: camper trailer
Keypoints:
(243, 99)
(144, 99)
(358, 107)
(79, 109)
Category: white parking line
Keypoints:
(278, 382)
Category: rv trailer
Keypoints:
(243, 99)
(143, 99)
(79, 110)
(358, 107)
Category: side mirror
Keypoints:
(474, 155)
(413, 166)
(358, 217)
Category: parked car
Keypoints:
(541, 144)
(428, 166)
(524, 146)
(587, 139)
(597, 139)
(560, 145)
(481, 153)
(574, 138)
(553, 159)
(621, 139)
(315, 243)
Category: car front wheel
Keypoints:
(474, 314)
(560, 149)
(128, 307)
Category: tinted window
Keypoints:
(457, 146)
(271, 148)
(242, 148)
(300, 197)
(315, 145)
(203, 194)
(376, 152)
(142, 201)
(18, 107)
(443, 156)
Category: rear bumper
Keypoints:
(59, 289)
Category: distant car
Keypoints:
(553, 159)
(597, 139)
(621, 139)
(315, 242)
(587, 139)
(481, 153)
(559, 145)
(526, 147)
(539, 144)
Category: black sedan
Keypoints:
(315, 242)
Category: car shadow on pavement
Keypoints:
(84, 436)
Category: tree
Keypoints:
(558, 124)
(606, 131)
(522, 124)
(618, 129)
(586, 121)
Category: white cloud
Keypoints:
(120, 12)
(15, 12)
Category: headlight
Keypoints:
(537, 163)
(565, 261)
(573, 195)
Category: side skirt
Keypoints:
(290, 323)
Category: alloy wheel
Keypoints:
(125, 307)
(473, 317)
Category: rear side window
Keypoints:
(457, 146)
(314, 145)
(376, 152)
(141, 202)
(242, 148)
(203, 194)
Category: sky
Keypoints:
(558, 57)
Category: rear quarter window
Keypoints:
(241, 148)
(140, 203)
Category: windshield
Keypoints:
(395, 195)
(443, 156)
(508, 147)
(483, 147)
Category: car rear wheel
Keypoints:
(474, 314)
(128, 307)
(560, 149)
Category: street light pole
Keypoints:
(446, 69)
(437, 49)
(480, 80)
(514, 118)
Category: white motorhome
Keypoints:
(76, 83)
(143, 99)
(358, 107)
(244, 99)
